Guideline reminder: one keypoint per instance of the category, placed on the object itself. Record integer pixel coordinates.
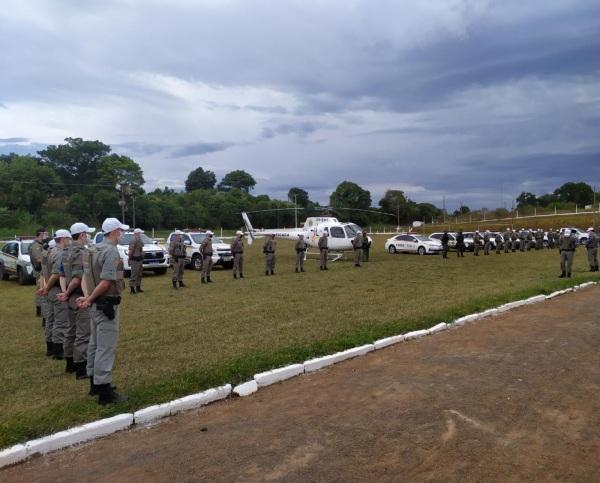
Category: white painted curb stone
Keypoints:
(97, 429)
(465, 319)
(13, 455)
(151, 413)
(200, 399)
(319, 363)
(535, 300)
(554, 294)
(437, 328)
(415, 334)
(276, 375)
(246, 388)
(354, 352)
(381, 343)
(59, 440)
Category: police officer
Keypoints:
(486, 242)
(300, 252)
(324, 249)
(237, 250)
(498, 240)
(566, 249)
(529, 239)
(206, 250)
(445, 241)
(357, 244)
(522, 240)
(136, 261)
(460, 244)
(49, 247)
(550, 238)
(78, 333)
(592, 249)
(36, 251)
(269, 251)
(54, 286)
(366, 246)
(477, 241)
(539, 239)
(506, 235)
(513, 240)
(104, 282)
(177, 253)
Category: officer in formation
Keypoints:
(104, 282)
(300, 248)
(136, 261)
(460, 244)
(269, 251)
(177, 253)
(566, 247)
(237, 250)
(357, 244)
(477, 241)
(487, 242)
(324, 249)
(498, 240)
(206, 250)
(507, 240)
(539, 239)
(514, 239)
(77, 334)
(36, 250)
(522, 239)
(591, 246)
(445, 242)
(366, 246)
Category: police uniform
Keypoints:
(177, 253)
(357, 244)
(445, 242)
(529, 240)
(36, 251)
(566, 247)
(522, 240)
(206, 249)
(539, 239)
(507, 236)
(460, 244)
(592, 250)
(269, 251)
(300, 248)
(102, 262)
(323, 251)
(477, 243)
(237, 250)
(498, 241)
(486, 243)
(60, 309)
(366, 245)
(513, 240)
(49, 307)
(136, 263)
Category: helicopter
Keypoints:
(340, 234)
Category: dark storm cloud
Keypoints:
(199, 149)
(14, 140)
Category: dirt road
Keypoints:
(511, 398)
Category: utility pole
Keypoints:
(122, 203)
(133, 207)
(295, 211)
(444, 208)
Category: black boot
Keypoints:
(568, 274)
(266, 272)
(241, 275)
(80, 370)
(302, 270)
(95, 388)
(325, 268)
(38, 311)
(202, 280)
(43, 322)
(107, 395)
(181, 284)
(296, 270)
(234, 276)
(321, 268)
(209, 280)
(272, 272)
(70, 367)
(58, 352)
(132, 290)
(49, 349)
(138, 289)
(174, 284)
(562, 275)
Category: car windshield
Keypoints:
(25, 246)
(422, 238)
(127, 238)
(199, 237)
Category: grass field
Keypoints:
(174, 343)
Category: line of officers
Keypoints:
(78, 292)
(177, 251)
(525, 240)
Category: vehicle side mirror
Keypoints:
(187, 242)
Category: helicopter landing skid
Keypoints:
(331, 256)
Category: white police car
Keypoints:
(408, 243)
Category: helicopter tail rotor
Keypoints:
(248, 227)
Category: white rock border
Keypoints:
(98, 429)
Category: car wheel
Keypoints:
(160, 271)
(422, 251)
(21, 277)
(196, 262)
(392, 249)
(3, 274)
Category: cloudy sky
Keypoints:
(473, 100)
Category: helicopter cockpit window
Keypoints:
(336, 232)
(351, 230)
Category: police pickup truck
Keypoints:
(14, 260)
(193, 239)
(156, 258)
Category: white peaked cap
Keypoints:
(62, 234)
(111, 224)
(138, 230)
(51, 244)
(77, 228)
(239, 232)
(208, 232)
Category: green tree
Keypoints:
(76, 162)
(237, 179)
(526, 199)
(299, 196)
(462, 210)
(200, 179)
(579, 193)
(350, 195)
(395, 202)
(115, 170)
